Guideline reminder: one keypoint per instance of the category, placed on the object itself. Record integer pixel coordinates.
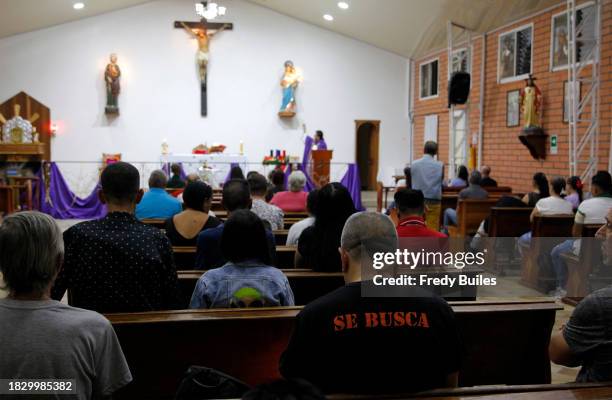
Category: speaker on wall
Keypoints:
(458, 88)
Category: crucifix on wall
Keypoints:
(203, 32)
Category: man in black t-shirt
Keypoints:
(344, 342)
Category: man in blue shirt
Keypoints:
(427, 174)
(236, 196)
(156, 203)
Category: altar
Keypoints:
(218, 165)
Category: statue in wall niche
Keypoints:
(112, 74)
(531, 102)
(290, 81)
(532, 135)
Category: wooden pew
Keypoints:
(546, 233)
(506, 343)
(306, 284)
(506, 224)
(185, 256)
(280, 237)
(564, 391)
(7, 200)
(158, 223)
(579, 267)
(470, 213)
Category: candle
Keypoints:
(241, 148)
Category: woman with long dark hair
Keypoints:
(318, 244)
(540, 190)
(573, 191)
(461, 180)
(247, 279)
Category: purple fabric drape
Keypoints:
(166, 169)
(352, 182)
(64, 204)
(232, 165)
(310, 186)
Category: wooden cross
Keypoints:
(202, 32)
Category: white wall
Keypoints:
(345, 80)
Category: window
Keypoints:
(460, 61)
(429, 79)
(585, 22)
(515, 54)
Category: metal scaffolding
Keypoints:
(583, 52)
(458, 147)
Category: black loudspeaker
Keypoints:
(458, 88)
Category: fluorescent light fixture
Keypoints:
(78, 6)
(343, 5)
(328, 17)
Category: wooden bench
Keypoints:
(546, 233)
(7, 200)
(184, 256)
(306, 284)
(506, 343)
(470, 213)
(579, 268)
(505, 224)
(280, 237)
(564, 391)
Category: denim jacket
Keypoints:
(245, 284)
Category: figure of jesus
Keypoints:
(203, 54)
(531, 98)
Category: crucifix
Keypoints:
(203, 32)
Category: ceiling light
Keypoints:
(328, 17)
(78, 6)
(343, 5)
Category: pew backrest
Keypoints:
(505, 343)
(509, 221)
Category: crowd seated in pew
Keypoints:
(590, 211)
(473, 191)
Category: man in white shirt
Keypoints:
(591, 211)
(296, 229)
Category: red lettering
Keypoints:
(351, 321)
(339, 324)
(383, 319)
(423, 321)
(398, 319)
(409, 316)
(371, 320)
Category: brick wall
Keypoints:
(510, 161)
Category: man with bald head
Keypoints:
(349, 342)
(486, 180)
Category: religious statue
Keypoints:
(531, 103)
(203, 37)
(532, 135)
(112, 73)
(289, 83)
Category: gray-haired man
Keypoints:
(42, 338)
(345, 342)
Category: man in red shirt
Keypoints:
(410, 206)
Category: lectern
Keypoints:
(319, 165)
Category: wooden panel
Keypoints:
(579, 268)
(306, 284)
(566, 391)
(470, 213)
(7, 204)
(506, 343)
(546, 233)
